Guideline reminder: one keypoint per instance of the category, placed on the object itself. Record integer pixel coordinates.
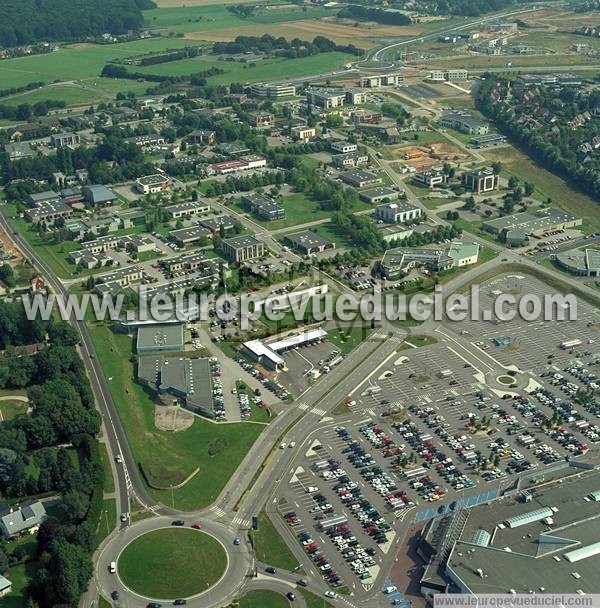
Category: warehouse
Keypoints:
(584, 263)
(544, 220)
(398, 212)
(160, 338)
(378, 195)
(179, 379)
(188, 236)
(308, 242)
(359, 178)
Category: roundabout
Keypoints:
(507, 380)
(155, 561)
(157, 564)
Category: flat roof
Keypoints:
(307, 238)
(259, 349)
(379, 191)
(295, 340)
(193, 232)
(459, 250)
(529, 222)
(149, 180)
(160, 336)
(242, 240)
(534, 555)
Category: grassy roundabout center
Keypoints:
(172, 563)
(508, 380)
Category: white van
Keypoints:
(113, 567)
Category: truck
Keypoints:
(414, 473)
(335, 520)
(570, 344)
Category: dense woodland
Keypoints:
(557, 126)
(51, 450)
(28, 21)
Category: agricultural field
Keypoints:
(77, 61)
(266, 69)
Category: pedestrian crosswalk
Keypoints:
(154, 508)
(302, 406)
(217, 511)
(241, 522)
(318, 412)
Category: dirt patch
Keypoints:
(172, 418)
(428, 155)
(8, 247)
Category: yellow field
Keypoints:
(341, 33)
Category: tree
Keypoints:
(528, 188)
(513, 182)
(3, 561)
(496, 167)
(7, 276)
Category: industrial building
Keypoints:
(487, 141)
(308, 242)
(583, 263)
(398, 261)
(187, 209)
(546, 540)
(263, 206)
(378, 195)
(466, 122)
(183, 380)
(160, 338)
(268, 354)
(360, 178)
(398, 212)
(191, 235)
(152, 184)
(343, 147)
(242, 248)
(447, 75)
(537, 224)
(98, 195)
(349, 159)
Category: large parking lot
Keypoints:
(433, 429)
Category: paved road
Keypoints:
(239, 565)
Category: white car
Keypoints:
(329, 594)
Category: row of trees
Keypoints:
(111, 70)
(288, 48)
(380, 15)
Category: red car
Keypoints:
(197, 526)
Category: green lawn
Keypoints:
(270, 548)
(263, 599)
(11, 409)
(314, 601)
(109, 482)
(266, 69)
(172, 563)
(107, 520)
(168, 458)
(417, 342)
(19, 576)
(102, 603)
(76, 62)
(300, 208)
(72, 95)
(348, 338)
